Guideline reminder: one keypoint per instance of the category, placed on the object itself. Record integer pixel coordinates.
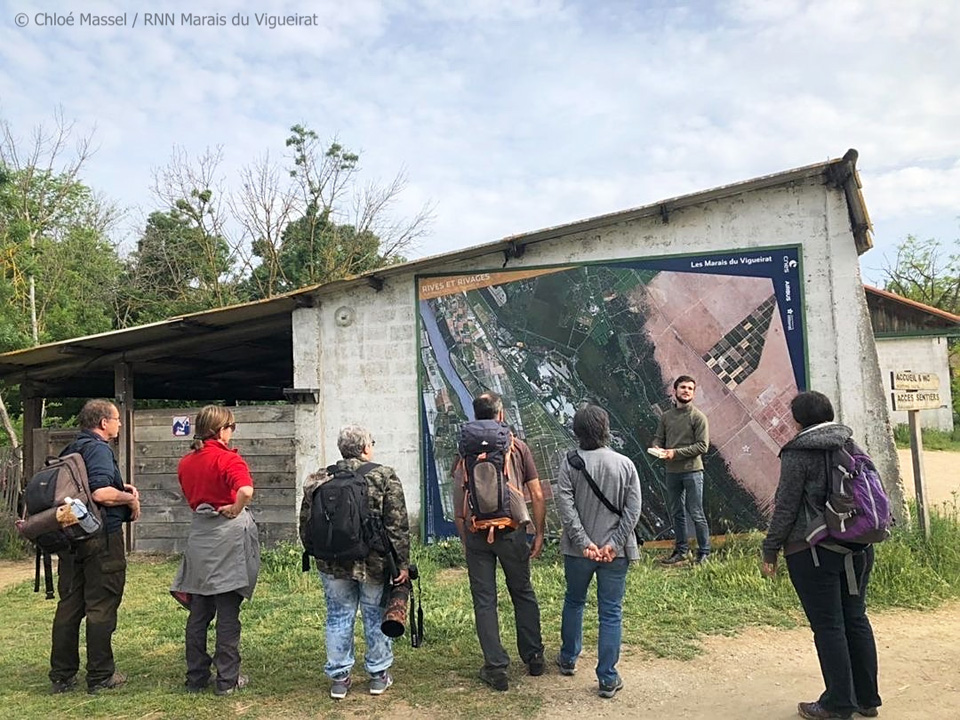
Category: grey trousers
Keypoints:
(513, 552)
(226, 659)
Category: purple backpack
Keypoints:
(857, 508)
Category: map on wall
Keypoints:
(617, 334)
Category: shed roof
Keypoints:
(244, 352)
(893, 315)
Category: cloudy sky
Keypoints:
(514, 115)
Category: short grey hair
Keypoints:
(353, 440)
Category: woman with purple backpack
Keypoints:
(830, 577)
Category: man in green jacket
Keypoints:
(683, 435)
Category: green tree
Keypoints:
(58, 267)
(926, 271)
(177, 268)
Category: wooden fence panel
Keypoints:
(265, 439)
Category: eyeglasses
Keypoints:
(372, 442)
(231, 426)
(117, 418)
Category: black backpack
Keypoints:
(339, 528)
(485, 447)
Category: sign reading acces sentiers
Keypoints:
(915, 390)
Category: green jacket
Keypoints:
(685, 431)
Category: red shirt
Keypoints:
(212, 475)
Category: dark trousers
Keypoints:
(841, 629)
(513, 552)
(203, 608)
(90, 583)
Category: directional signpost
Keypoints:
(913, 392)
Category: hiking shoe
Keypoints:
(816, 711)
(701, 560)
(379, 683)
(566, 668)
(673, 559)
(497, 679)
(62, 686)
(608, 691)
(340, 687)
(242, 682)
(193, 689)
(536, 666)
(868, 712)
(114, 681)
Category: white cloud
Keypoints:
(515, 115)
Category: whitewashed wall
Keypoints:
(920, 354)
(367, 370)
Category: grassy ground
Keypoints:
(666, 613)
(932, 439)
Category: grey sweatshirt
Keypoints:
(584, 517)
(803, 484)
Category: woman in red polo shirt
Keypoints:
(222, 558)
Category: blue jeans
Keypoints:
(342, 598)
(685, 497)
(611, 585)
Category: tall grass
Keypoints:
(667, 612)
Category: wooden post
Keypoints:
(919, 483)
(123, 389)
(32, 409)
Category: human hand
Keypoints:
(135, 510)
(230, 511)
(537, 545)
(669, 454)
(769, 569)
(592, 552)
(607, 553)
(132, 490)
(402, 577)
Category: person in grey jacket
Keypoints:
(596, 541)
(842, 632)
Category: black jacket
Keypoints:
(102, 471)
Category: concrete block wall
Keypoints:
(367, 370)
(920, 354)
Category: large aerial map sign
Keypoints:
(617, 334)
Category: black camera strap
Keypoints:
(576, 462)
(416, 623)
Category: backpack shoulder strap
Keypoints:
(365, 468)
(576, 462)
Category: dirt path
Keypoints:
(941, 470)
(762, 673)
(13, 572)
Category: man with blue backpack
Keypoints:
(490, 474)
(829, 508)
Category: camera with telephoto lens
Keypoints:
(395, 611)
